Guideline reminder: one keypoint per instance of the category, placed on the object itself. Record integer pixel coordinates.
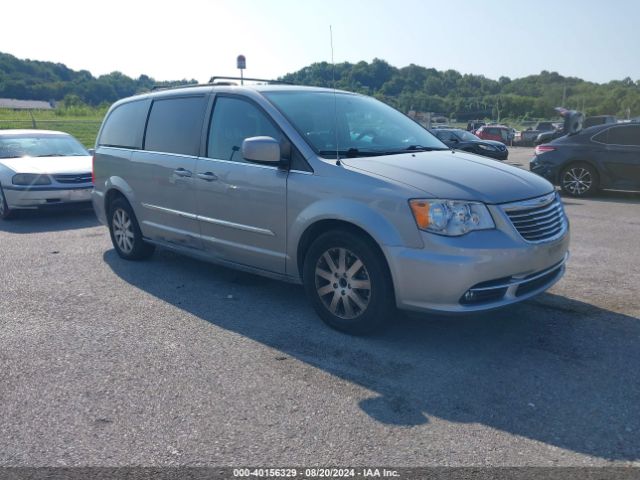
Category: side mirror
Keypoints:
(92, 151)
(261, 149)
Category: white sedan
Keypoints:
(42, 167)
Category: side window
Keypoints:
(124, 125)
(624, 135)
(232, 121)
(175, 125)
(448, 137)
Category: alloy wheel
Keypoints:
(123, 230)
(342, 283)
(577, 180)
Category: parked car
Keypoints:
(42, 168)
(459, 139)
(604, 156)
(529, 136)
(599, 120)
(474, 125)
(499, 133)
(330, 189)
(546, 137)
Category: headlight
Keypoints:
(30, 179)
(490, 148)
(451, 217)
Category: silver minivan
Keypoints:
(330, 189)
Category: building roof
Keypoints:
(25, 104)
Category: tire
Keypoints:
(5, 212)
(330, 276)
(579, 180)
(125, 232)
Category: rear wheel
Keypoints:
(347, 281)
(5, 212)
(579, 180)
(125, 232)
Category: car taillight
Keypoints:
(544, 148)
(93, 169)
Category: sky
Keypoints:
(591, 39)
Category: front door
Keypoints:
(241, 205)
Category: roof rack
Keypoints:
(213, 79)
(186, 85)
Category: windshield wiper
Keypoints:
(352, 153)
(420, 148)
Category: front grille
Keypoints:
(539, 219)
(73, 178)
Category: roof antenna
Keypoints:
(335, 97)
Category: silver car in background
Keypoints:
(42, 168)
(330, 189)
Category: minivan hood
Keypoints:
(50, 165)
(455, 175)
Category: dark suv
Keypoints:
(605, 156)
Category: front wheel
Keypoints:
(347, 280)
(125, 232)
(579, 180)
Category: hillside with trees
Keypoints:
(35, 80)
(413, 87)
(467, 96)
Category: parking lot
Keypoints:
(176, 362)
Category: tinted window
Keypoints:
(175, 125)
(445, 136)
(124, 125)
(624, 135)
(234, 120)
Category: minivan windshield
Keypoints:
(349, 125)
(15, 146)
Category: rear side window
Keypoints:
(624, 135)
(124, 125)
(175, 125)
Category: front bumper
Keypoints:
(498, 154)
(19, 197)
(498, 266)
(545, 170)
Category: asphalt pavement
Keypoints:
(177, 362)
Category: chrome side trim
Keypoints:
(249, 164)
(239, 226)
(179, 213)
(215, 221)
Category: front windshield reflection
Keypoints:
(359, 125)
(40, 146)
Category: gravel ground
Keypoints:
(176, 362)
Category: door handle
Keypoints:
(181, 172)
(207, 176)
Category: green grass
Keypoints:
(81, 122)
